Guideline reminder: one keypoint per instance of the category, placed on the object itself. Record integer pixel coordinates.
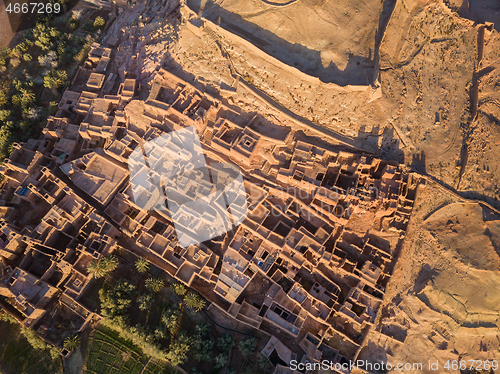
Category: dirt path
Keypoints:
(274, 3)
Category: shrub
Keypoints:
(144, 301)
(179, 349)
(203, 343)
(117, 299)
(82, 54)
(76, 14)
(247, 346)
(4, 316)
(170, 318)
(54, 33)
(32, 338)
(225, 343)
(73, 24)
(52, 109)
(262, 362)
(138, 336)
(15, 62)
(49, 60)
(4, 114)
(4, 97)
(221, 360)
(5, 139)
(31, 114)
(54, 353)
(99, 22)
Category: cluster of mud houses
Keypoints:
(317, 233)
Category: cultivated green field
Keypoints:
(107, 353)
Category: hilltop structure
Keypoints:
(309, 265)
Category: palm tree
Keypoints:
(262, 361)
(95, 268)
(72, 342)
(247, 346)
(99, 22)
(55, 79)
(103, 266)
(179, 289)
(144, 301)
(24, 98)
(110, 263)
(155, 284)
(194, 302)
(221, 360)
(142, 265)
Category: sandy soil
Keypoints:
(322, 38)
(427, 63)
(482, 11)
(443, 302)
(482, 171)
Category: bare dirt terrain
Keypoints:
(482, 170)
(482, 11)
(427, 63)
(443, 301)
(321, 38)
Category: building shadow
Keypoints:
(359, 70)
(481, 11)
(418, 162)
(384, 145)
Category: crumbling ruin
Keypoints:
(309, 265)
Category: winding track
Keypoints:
(274, 3)
(320, 130)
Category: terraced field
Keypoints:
(109, 354)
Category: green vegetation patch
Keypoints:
(17, 355)
(156, 367)
(109, 353)
(35, 72)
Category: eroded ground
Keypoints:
(324, 39)
(443, 303)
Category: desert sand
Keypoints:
(324, 39)
(444, 299)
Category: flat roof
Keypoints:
(99, 178)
